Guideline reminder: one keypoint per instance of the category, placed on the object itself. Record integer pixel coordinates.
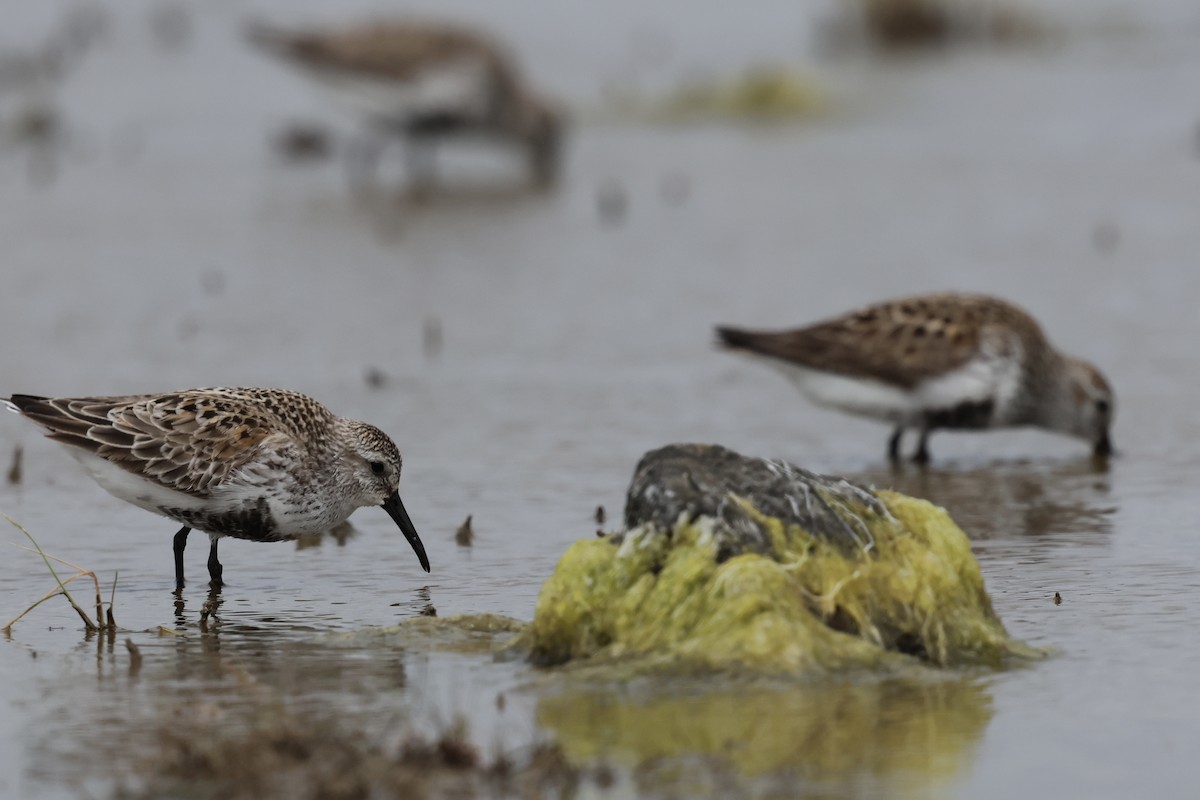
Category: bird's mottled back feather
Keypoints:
(189, 441)
(391, 50)
(900, 343)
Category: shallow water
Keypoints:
(162, 244)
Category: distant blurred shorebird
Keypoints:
(266, 465)
(939, 361)
(423, 82)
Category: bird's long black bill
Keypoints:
(395, 510)
(1103, 448)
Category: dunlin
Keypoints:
(261, 464)
(940, 361)
(423, 82)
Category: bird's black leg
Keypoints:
(214, 566)
(922, 454)
(180, 543)
(894, 445)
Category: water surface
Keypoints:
(168, 246)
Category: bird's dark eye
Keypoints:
(1102, 406)
(377, 467)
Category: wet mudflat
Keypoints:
(525, 350)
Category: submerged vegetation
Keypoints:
(282, 752)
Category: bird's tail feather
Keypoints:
(21, 403)
(735, 338)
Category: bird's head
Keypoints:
(373, 464)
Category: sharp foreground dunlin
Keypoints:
(424, 81)
(261, 464)
(940, 361)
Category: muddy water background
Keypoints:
(161, 244)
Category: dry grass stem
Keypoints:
(109, 623)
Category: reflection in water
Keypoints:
(831, 734)
(470, 197)
(184, 682)
(341, 534)
(391, 212)
(130, 723)
(1010, 498)
(389, 216)
(893, 737)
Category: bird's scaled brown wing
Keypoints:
(181, 440)
(900, 343)
(397, 51)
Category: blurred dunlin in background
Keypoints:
(906, 26)
(32, 76)
(423, 83)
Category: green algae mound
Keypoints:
(834, 577)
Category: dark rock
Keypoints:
(705, 480)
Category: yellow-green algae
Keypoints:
(662, 601)
(765, 93)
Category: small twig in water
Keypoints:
(87, 621)
(135, 657)
(52, 593)
(14, 471)
(465, 534)
(80, 572)
(112, 602)
(109, 622)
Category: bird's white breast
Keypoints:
(132, 488)
(859, 396)
(454, 88)
(291, 514)
(986, 377)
